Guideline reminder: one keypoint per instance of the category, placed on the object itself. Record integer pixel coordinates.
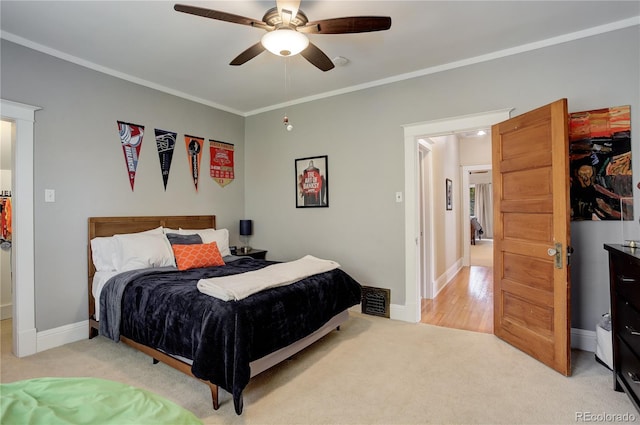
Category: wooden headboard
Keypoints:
(109, 226)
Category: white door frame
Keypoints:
(425, 205)
(412, 132)
(22, 244)
(466, 204)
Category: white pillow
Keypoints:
(143, 250)
(157, 231)
(104, 250)
(220, 237)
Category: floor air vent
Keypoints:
(376, 301)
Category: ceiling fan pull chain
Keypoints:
(285, 121)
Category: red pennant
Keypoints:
(131, 139)
(221, 167)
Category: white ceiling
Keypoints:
(147, 42)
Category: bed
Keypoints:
(150, 305)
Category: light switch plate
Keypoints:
(49, 195)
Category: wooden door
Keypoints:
(531, 236)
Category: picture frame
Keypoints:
(312, 182)
(448, 194)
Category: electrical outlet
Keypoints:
(49, 195)
(398, 196)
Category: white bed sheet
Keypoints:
(99, 280)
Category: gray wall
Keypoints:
(78, 154)
(362, 135)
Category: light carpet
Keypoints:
(372, 371)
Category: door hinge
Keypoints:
(569, 252)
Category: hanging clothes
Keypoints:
(5, 219)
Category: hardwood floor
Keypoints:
(465, 303)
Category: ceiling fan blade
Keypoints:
(220, 16)
(248, 54)
(347, 25)
(317, 57)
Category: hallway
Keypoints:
(465, 303)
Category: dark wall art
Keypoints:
(600, 164)
(449, 194)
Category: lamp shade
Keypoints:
(285, 42)
(246, 227)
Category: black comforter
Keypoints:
(163, 309)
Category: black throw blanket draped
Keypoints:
(163, 309)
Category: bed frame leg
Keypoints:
(338, 328)
(156, 361)
(93, 328)
(214, 395)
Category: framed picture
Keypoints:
(312, 182)
(448, 189)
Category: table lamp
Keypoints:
(246, 230)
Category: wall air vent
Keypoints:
(376, 301)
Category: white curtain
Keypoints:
(484, 209)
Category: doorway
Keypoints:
(465, 298)
(24, 331)
(6, 167)
(413, 264)
(477, 199)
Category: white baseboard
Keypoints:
(443, 280)
(63, 335)
(25, 344)
(396, 312)
(6, 311)
(401, 312)
(583, 339)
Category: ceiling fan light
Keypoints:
(285, 42)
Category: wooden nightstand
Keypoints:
(258, 254)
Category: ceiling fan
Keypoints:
(286, 26)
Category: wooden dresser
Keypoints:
(624, 277)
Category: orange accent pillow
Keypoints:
(198, 255)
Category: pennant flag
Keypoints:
(165, 142)
(221, 168)
(131, 139)
(194, 154)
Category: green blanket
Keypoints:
(86, 401)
